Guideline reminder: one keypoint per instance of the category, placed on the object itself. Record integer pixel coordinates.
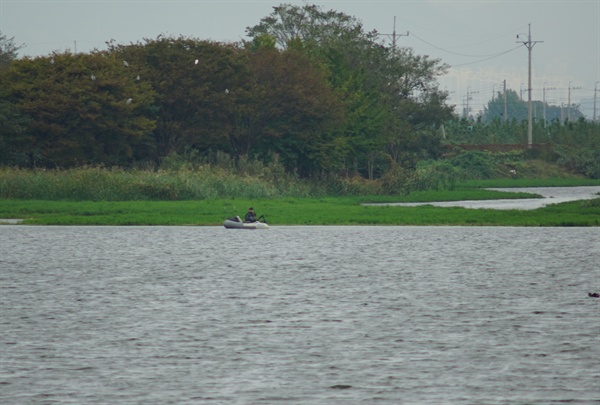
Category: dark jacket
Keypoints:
(250, 217)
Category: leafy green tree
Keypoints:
(12, 123)
(262, 42)
(242, 100)
(418, 107)
(309, 30)
(294, 109)
(358, 138)
(516, 108)
(8, 50)
(13, 137)
(198, 85)
(309, 24)
(81, 109)
(383, 89)
(338, 42)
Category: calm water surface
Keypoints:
(303, 315)
(549, 195)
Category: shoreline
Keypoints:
(549, 195)
(11, 221)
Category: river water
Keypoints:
(549, 195)
(300, 315)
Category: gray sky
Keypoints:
(477, 38)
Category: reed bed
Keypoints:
(245, 179)
(101, 184)
(196, 183)
(191, 177)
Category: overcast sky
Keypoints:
(477, 38)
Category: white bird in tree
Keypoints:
(129, 100)
(125, 63)
(196, 62)
(93, 77)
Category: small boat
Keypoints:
(237, 223)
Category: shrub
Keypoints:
(475, 164)
(581, 160)
(438, 175)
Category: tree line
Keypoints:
(515, 108)
(311, 89)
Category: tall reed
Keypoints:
(191, 177)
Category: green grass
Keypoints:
(206, 196)
(458, 194)
(291, 211)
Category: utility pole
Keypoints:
(393, 35)
(505, 104)
(468, 109)
(569, 100)
(544, 99)
(529, 44)
(595, 97)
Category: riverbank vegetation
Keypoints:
(197, 193)
(200, 192)
(312, 113)
(188, 178)
(290, 211)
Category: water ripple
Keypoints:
(299, 314)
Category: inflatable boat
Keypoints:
(237, 223)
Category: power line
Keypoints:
(487, 57)
(483, 60)
(456, 53)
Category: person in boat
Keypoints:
(250, 215)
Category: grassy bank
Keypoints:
(205, 195)
(290, 211)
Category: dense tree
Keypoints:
(14, 140)
(418, 107)
(311, 88)
(388, 93)
(309, 24)
(196, 84)
(339, 43)
(237, 99)
(12, 123)
(79, 109)
(516, 108)
(294, 106)
(8, 50)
